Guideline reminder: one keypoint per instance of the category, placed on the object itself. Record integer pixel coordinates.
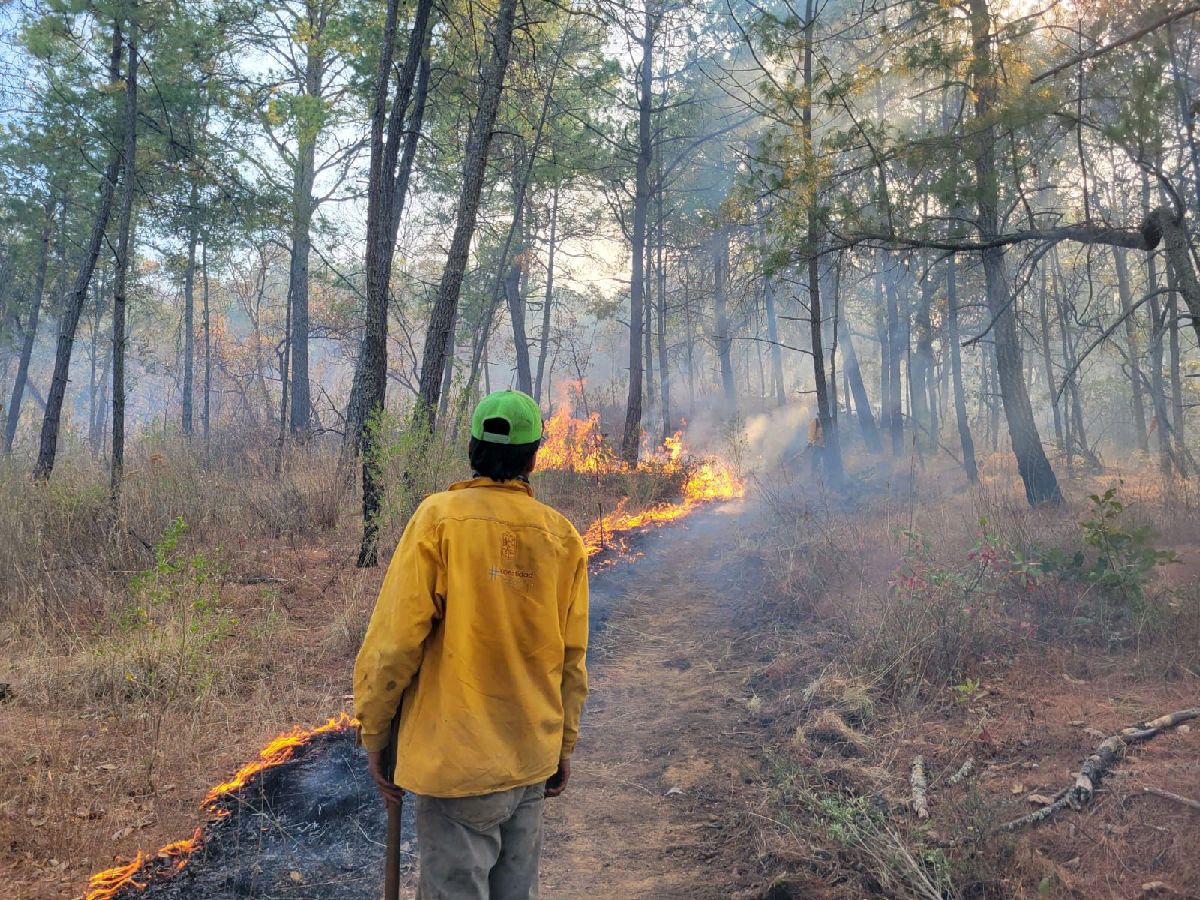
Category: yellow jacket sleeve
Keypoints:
(574, 680)
(404, 614)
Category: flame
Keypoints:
(568, 443)
(107, 884)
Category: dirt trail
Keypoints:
(664, 752)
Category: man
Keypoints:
(479, 637)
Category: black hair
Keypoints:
(501, 462)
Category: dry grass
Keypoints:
(947, 614)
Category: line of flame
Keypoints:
(574, 444)
(107, 884)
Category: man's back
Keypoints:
(483, 615)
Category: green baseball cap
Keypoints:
(519, 410)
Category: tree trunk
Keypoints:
(385, 199)
(512, 289)
(724, 341)
(1134, 347)
(777, 351)
(207, 418)
(1041, 486)
(831, 454)
(548, 299)
(858, 390)
(664, 375)
(189, 310)
(73, 308)
(31, 327)
(124, 250)
(375, 355)
(1048, 361)
(960, 400)
(478, 143)
(1177, 417)
(895, 344)
(921, 366)
(1157, 387)
(632, 433)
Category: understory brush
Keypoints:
(66, 549)
(898, 623)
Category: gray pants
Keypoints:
(481, 848)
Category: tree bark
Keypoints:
(124, 250)
(831, 454)
(632, 433)
(189, 310)
(1041, 486)
(1133, 343)
(207, 325)
(73, 308)
(548, 299)
(512, 288)
(664, 375)
(478, 144)
(960, 400)
(895, 344)
(777, 351)
(31, 327)
(724, 341)
(1048, 361)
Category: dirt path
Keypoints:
(652, 809)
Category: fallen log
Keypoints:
(1094, 768)
(964, 771)
(919, 800)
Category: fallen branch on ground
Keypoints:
(920, 804)
(964, 771)
(1094, 768)
(1167, 795)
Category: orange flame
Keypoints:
(107, 884)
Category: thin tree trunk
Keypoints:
(73, 308)
(124, 250)
(31, 327)
(921, 366)
(512, 288)
(1041, 486)
(960, 400)
(548, 300)
(1177, 418)
(474, 167)
(207, 345)
(858, 390)
(831, 454)
(1048, 361)
(1133, 342)
(189, 309)
(895, 416)
(724, 340)
(777, 351)
(664, 375)
(632, 433)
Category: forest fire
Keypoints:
(571, 443)
(174, 856)
(579, 445)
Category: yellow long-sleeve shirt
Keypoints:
(481, 626)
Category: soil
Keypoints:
(657, 804)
